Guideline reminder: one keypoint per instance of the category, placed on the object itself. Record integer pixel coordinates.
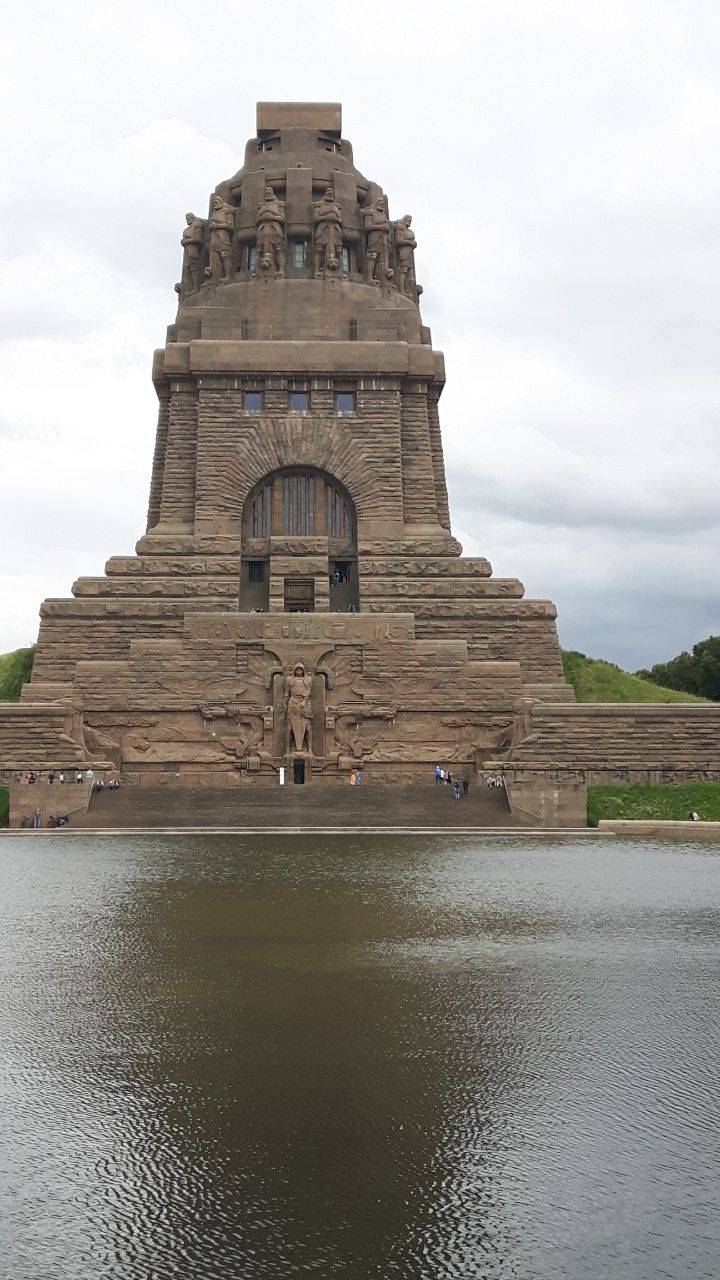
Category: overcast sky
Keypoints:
(561, 163)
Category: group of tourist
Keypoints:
(495, 780)
(34, 819)
(355, 777)
(77, 776)
(443, 777)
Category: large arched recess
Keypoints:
(300, 502)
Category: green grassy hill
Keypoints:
(15, 671)
(596, 681)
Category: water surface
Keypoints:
(384, 1056)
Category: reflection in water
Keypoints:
(404, 1057)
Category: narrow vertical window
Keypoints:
(299, 401)
(344, 402)
(346, 260)
(299, 253)
(251, 257)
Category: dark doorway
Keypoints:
(344, 596)
(255, 586)
(299, 595)
(299, 771)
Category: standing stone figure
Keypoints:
(192, 242)
(270, 238)
(327, 217)
(222, 224)
(377, 230)
(298, 707)
(405, 245)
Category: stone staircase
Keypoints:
(346, 807)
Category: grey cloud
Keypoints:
(564, 193)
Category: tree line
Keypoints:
(697, 672)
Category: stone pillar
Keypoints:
(438, 461)
(177, 506)
(418, 484)
(158, 468)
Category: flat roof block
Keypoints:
(326, 116)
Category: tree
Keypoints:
(697, 672)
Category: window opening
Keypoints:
(253, 401)
(256, 571)
(338, 521)
(344, 402)
(299, 401)
(299, 253)
(260, 512)
(346, 260)
(299, 506)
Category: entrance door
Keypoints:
(299, 595)
(299, 771)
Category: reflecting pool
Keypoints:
(384, 1056)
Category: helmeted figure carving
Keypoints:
(222, 224)
(192, 242)
(405, 245)
(377, 230)
(327, 217)
(298, 707)
(270, 238)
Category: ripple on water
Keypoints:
(392, 1057)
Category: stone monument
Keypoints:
(298, 598)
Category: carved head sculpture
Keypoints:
(380, 204)
(329, 194)
(407, 219)
(217, 202)
(269, 193)
(298, 669)
(189, 218)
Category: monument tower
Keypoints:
(298, 600)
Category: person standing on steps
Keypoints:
(456, 789)
(37, 816)
(466, 788)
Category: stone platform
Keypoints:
(318, 805)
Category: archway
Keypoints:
(299, 502)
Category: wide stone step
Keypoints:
(337, 805)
